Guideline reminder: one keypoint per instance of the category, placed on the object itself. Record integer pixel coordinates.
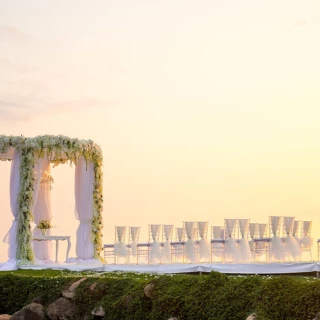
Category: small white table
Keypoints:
(56, 238)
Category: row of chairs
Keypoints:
(237, 241)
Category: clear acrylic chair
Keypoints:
(190, 252)
(134, 233)
(177, 247)
(217, 244)
(306, 240)
(154, 256)
(253, 231)
(262, 243)
(277, 252)
(230, 248)
(203, 243)
(291, 245)
(166, 240)
(244, 251)
(120, 246)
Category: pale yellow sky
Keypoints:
(204, 110)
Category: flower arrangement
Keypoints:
(46, 180)
(44, 225)
(59, 149)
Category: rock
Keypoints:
(71, 292)
(98, 312)
(61, 309)
(33, 311)
(317, 317)
(93, 286)
(38, 300)
(252, 317)
(4, 317)
(149, 290)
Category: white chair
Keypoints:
(134, 233)
(120, 247)
(217, 244)
(277, 247)
(177, 247)
(262, 243)
(230, 248)
(253, 228)
(166, 240)
(291, 246)
(155, 246)
(244, 251)
(306, 240)
(203, 243)
(190, 253)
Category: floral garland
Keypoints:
(59, 149)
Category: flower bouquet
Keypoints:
(44, 225)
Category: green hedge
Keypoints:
(214, 296)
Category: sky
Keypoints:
(204, 110)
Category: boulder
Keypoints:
(317, 317)
(252, 317)
(4, 317)
(62, 308)
(71, 292)
(33, 311)
(149, 290)
(98, 312)
(92, 287)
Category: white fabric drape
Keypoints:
(277, 250)
(190, 245)
(120, 247)
(134, 232)
(42, 211)
(262, 230)
(216, 232)
(84, 183)
(204, 245)
(155, 247)
(244, 247)
(180, 234)
(166, 250)
(230, 242)
(307, 240)
(295, 230)
(292, 247)
(11, 236)
(8, 155)
(252, 233)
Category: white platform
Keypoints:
(227, 268)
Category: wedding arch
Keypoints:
(31, 157)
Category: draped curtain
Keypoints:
(42, 211)
(11, 236)
(84, 183)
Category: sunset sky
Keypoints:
(204, 110)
